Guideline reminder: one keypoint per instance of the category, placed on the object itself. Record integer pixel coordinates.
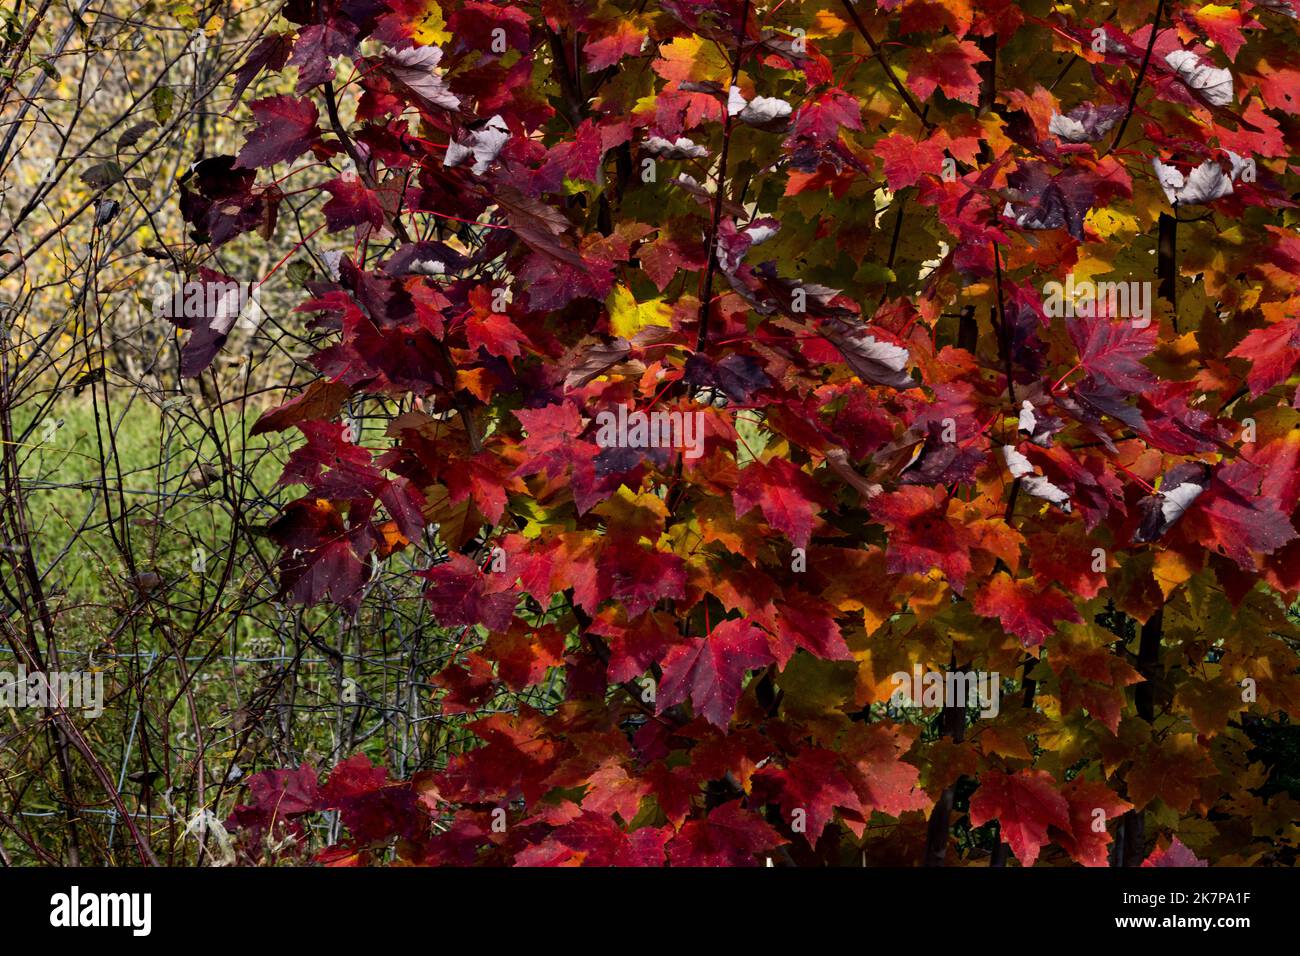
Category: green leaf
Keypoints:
(163, 96)
(102, 175)
(300, 273)
(184, 14)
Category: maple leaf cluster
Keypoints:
(824, 234)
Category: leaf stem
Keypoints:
(706, 285)
(1137, 84)
(879, 53)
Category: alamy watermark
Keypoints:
(947, 689)
(1088, 299)
(659, 429)
(75, 909)
(71, 690)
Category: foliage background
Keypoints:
(913, 128)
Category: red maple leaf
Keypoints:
(1025, 611)
(551, 443)
(1111, 350)
(1223, 25)
(809, 788)
(949, 65)
(804, 621)
(323, 558)
(1234, 519)
(284, 792)
(907, 161)
(609, 45)
(709, 670)
(636, 645)
(474, 26)
(278, 800)
(784, 493)
(1273, 351)
(1069, 559)
(316, 46)
(468, 688)
(922, 536)
(461, 594)
(271, 53)
(1175, 854)
(286, 128)
(221, 201)
(484, 478)
(319, 400)
(1025, 804)
(524, 654)
(350, 778)
(875, 766)
(1091, 804)
(729, 836)
(639, 576)
(595, 840)
(352, 204)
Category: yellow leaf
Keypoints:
(646, 104)
(627, 317)
(1179, 359)
(690, 58)
(1107, 222)
(428, 28)
(475, 381)
(1171, 568)
(640, 514)
(184, 14)
(1091, 265)
(827, 24)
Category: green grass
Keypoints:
(156, 510)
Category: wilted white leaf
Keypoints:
(1206, 183)
(332, 259)
(1017, 463)
(886, 353)
(1040, 487)
(762, 110)
(428, 267)
(1086, 123)
(416, 68)
(1211, 83)
(735, 102)
(1070, 130)
(761, 231)
(221, 847)
(1110, 45)
(680, 148)
(1177, 500)
(483, 144)
(1028, 421)
(692, 185)
(1036, 485)
(874, 360)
